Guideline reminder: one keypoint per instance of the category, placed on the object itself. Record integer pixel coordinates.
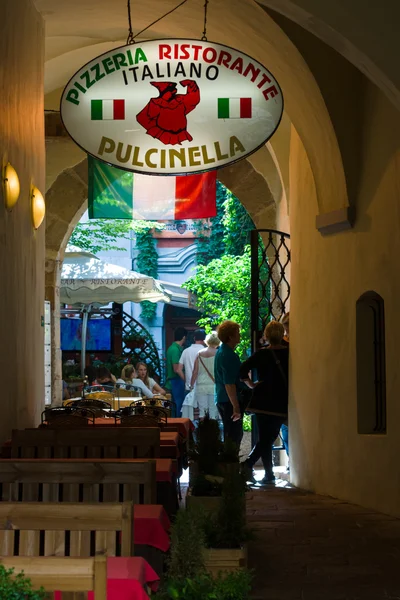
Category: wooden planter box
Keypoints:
(208, 503)
(225, 560)
(225, 469)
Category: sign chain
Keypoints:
(204, 36)
(131, 37)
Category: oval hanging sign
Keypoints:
(172, 107)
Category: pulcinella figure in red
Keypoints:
(164, 118)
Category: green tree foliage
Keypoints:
(222, 288)
(99, 235)
(237, 225)
(222, 281)
(226, 233)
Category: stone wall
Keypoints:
(21, 248)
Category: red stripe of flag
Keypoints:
(119, 110)
(245, 108)
(196, 196)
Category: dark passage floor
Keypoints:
(309, 547)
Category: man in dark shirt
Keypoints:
(270, 396)
(227, 382)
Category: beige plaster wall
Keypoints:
(328, 275)
(21, 248)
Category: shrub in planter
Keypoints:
(205, 452)
(186, 558)
(133, 339)
(232, 586)
(186, 577)
(211, 459)
(228, 527)
(17, 587)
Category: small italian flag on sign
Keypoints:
(234, 108)
(108, 110)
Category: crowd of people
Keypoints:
(209, 376)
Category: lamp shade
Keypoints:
(38, 207)
(11, 186)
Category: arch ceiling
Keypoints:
(78, 30)
(360, 31)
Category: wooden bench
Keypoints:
(54, 529)
(93, 442)
(63, 574)
(78, 480)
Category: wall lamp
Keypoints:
(11, 186)
(38, 207)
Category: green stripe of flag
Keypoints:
(223, 108)
(110, 191)
(97, 110)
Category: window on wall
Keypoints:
(371, 369)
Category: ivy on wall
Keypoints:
(226, 233)
(147, 261)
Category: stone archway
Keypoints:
(66, 201)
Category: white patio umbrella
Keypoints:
(86, 281)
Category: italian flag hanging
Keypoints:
(117, 194)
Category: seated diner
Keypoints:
(143, 374)
(104, 377)
(129, 377)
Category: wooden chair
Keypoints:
(94, 442)
(50, 529)
(169, 406)
(78, 480)
(64, 574)
(68, 417)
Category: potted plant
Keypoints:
(133, 339)
(17, 587)
(226, 531)
(186, 577)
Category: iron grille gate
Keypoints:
(270, 273)
(270, 286)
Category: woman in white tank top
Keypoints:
(203, 378)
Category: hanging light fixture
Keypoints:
(38, 207)
(11, 187)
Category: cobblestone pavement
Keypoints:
(309, 547)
